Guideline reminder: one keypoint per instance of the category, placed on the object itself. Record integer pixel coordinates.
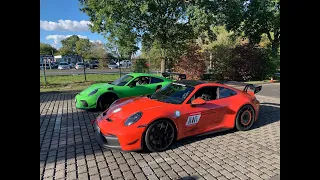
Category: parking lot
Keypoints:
(68, 149)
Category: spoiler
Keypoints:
(254, 88)
(168, 74)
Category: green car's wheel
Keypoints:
(106, 100)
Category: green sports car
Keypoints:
(101, 96)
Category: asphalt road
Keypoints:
(270, 90)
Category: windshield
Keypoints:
(174, 93)
(63, 63)
(122, 81)
(81, 64)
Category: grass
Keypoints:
(77, 83)
(74, 82)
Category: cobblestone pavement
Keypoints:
(68, 149)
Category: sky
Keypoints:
(62, 18)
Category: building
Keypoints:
(47, 58)
(68, 58)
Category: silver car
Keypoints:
(79, 65)
(112, 65)
(63, 65)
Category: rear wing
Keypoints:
(254, 88)
(168, 74)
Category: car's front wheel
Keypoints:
(245, 118)
(159, 135)
(105, 101)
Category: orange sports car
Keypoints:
(181, 109)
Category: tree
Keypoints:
(46, 49)
(192, 63)
(83, 47)
(146, 20)
(251, 18)
(69, 45)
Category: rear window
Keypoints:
(81, 64)
(225, 92)
(156, 80)
(63, 63)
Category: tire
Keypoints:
(154, 134)
(245, 118)
(105, 101)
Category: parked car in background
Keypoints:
(63, 65)
(112, 65)
(79, 65)
(54, 65)
(124, 63)
(72, 65)
(93, 64)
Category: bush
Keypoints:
(242, 63)
(141, 66)
(192, 63)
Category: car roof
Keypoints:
(200, 83)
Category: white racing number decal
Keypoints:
(193, 119)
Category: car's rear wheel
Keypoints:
(245, 118)
(105, 101)
(159, 135)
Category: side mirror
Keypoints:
(198, 101)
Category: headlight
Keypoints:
(93, 92)
(133, 118)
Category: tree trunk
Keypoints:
(275, 46)
(163, 65)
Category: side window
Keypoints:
(142, 80)
(225, 92)
(206, 93)
(155, 80)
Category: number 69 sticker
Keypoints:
(193, 119)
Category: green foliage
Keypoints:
(242, 63)
(253, 18)
(147, 21)
(69, 45)
(140, 66)
(83, 47)
(47, 49)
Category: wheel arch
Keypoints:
(156, 119)
(254, 110)
(105, 94)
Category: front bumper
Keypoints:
(85, 103)
(115, 136)
(106, 141)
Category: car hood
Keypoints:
(124, 109)
(93, 87)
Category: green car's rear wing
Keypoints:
(170, 74)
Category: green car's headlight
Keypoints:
(93, 92)
(133, 119)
